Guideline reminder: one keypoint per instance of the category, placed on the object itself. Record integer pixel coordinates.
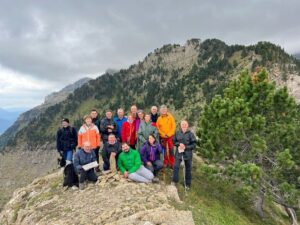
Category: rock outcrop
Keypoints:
(113, 200)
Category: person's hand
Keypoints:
(182, 146)
(126, 174)
(149, 164)
(166, 136)
(113, 154)
(109, 130)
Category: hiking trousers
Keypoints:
(142, 175)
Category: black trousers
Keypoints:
(89, 175)
(188, 170)
(96, 150)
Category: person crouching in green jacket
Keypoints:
(131, 167)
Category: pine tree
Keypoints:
(252, 137)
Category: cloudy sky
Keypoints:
(45, 45)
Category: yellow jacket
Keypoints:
(166, 125)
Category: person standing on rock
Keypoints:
(150, 155)
(185, 142)
(89, 132)
(154, 115)
(128, 133)
(83, 157)
(110, 152)
(107, 126)
(66, 141)
(120, 119)
(144, 131)
(166, 127)
(131, 167)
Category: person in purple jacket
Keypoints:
(150, 155)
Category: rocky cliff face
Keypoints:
(111, 201)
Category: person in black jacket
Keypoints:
(112, 148)
(107, 126)
(185, 141)
(66, 141)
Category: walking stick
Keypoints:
(185, 187)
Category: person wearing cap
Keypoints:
(107, 126)
(166, 128)
(89, 132)
(66, 141)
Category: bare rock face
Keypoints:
(113, 200)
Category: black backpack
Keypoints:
(70, 177)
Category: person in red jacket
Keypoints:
(128, 132)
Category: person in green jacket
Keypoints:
(131, 167)
(146, 128)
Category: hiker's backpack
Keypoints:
(70, 177)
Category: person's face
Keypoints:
(153, 110)
(141, 115)
(163, 111)
(111, 139)
(120, 113)
(147, 118)
(133, 109)
(184, 126)
(151, 140)
(130, 119)
(88, 121)
(65, 124)
(125, 147)
(87, 148)
(94, 114)
(108, 115)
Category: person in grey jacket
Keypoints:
(185, 142)
(82, 157)
(146, 128)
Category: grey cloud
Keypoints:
(63, 40)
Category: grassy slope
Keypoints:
(213, 203)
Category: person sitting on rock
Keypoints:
(131, 167)
(110, 153)
(150, 154)
(83, 157)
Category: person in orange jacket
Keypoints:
(166, 128)
(89, 132)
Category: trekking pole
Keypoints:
(184, 181)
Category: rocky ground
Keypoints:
(19, 168)
(112, 200)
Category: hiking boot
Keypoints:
(155, 180)
(81, 186)
(173, 184)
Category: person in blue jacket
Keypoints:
(120, 119)
(83, 157)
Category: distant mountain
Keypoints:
(8, 117)
(11, 122)
(297, 56)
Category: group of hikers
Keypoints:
(138, 145)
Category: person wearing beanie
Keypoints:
(66, 141)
